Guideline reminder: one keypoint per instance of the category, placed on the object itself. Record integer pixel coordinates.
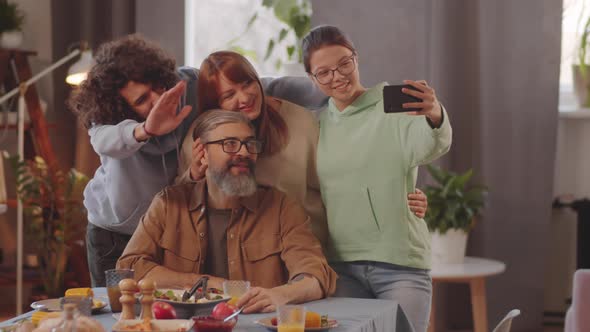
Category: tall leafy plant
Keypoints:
(11, 18)
(452, 202)
(55, 217)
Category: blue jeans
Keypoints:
(410, 287)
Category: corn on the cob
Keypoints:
(80, 292)
(38, 316)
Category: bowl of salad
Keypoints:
(196, 305)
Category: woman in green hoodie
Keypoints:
(367, 161)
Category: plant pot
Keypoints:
(11, 39)
(448, 248)
(582, 86)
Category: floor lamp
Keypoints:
(76, 74)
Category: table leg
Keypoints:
(478, 304)
(432, 321)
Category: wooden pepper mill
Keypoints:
(128, 288)
(147, 287)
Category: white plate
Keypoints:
(162, 325)
(266, 322)
(47, 305)
(54, 305)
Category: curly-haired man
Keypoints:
(136, 111)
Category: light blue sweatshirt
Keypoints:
(132, 172)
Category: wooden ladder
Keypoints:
(38, 133)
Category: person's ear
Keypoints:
(205, 159)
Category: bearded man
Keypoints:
(227, 227)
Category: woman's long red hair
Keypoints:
(270, 126)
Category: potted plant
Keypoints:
(11, 22)
(54, 215)
(296, 16)
(453, 205)
(581, 70)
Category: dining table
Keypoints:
(351, 315)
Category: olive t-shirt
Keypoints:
(216, 260)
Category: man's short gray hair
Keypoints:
(215, 118)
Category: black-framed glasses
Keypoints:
(326, 76)
(234, 145)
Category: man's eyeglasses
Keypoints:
(234, 145)
(326, 76)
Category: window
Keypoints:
(575, 13)
(212, 25)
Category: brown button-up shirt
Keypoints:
(269, 240)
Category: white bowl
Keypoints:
(186, 310)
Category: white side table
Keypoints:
(473, 271)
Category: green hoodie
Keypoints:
(367, 163)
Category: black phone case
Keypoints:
(394, 98)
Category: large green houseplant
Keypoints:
(11, 23)
(453, 204)
(296, 17)
(54, 215)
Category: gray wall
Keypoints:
(73, 21)
(495, 65)
(163, 22)
(390, 36)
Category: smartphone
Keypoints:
(394, 98)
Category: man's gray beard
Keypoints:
(241, 185)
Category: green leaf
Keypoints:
(247, 53)
(437, 174)
(283, 34)
(269, 48)
(464, 178)
(251, 21)
(290, 51)
(282, 9)
(278, 64)
(170, 294)
(268, 3)
(300, 22)
(448, 186)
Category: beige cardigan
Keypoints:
(292, 170)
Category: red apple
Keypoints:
(163, 310)
(222, 310)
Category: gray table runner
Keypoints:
(353, 315)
